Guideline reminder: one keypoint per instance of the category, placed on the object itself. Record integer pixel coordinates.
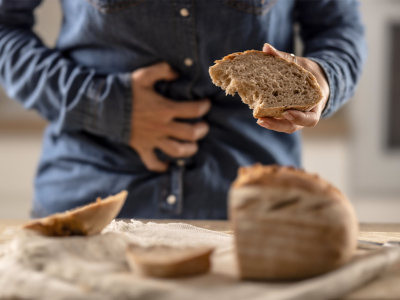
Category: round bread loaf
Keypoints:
(289, 224)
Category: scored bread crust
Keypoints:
(284, 177)
(276, 111)
(289, 224)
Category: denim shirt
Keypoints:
(83, 88)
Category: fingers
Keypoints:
(281, 125)
(149, 75)
(307, 64)
(177, 149)
(293, 119)
(306, 119)
(188, 132)
(190, 110)
(151, 161)
(271, 50)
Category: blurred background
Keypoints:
(358, 149)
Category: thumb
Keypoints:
(271, 50)
(148, 76)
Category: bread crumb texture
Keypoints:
(268, 84)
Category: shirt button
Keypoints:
(184, 12)
(188, 62)
(171, 199)
(180, 162)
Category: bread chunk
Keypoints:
(86, 220)
(270, 85)
(165, 261)
(289, 224)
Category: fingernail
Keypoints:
(263, 123)
(269, 45)
(288, 116)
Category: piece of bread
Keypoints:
(270, 85)
(289, 224)
(168, 262)
(86, 220)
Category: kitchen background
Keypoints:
(358, 149)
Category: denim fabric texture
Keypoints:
(83, 88)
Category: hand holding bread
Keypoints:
(285, 93)
(294, 119)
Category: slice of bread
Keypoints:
(86, 220)
(289, 224)
(269, 84)
(165, 261)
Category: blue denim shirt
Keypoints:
(83, 88)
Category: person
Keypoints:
(131, 106)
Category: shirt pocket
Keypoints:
(256, 7)
(108, 6)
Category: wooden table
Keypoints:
(384, 288)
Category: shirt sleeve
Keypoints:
(72, 96)
(333, 37)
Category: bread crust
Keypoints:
(285, 177)
(260, 111)
(86, 220)
(168, 262)
(277, 112)
(289, 224)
